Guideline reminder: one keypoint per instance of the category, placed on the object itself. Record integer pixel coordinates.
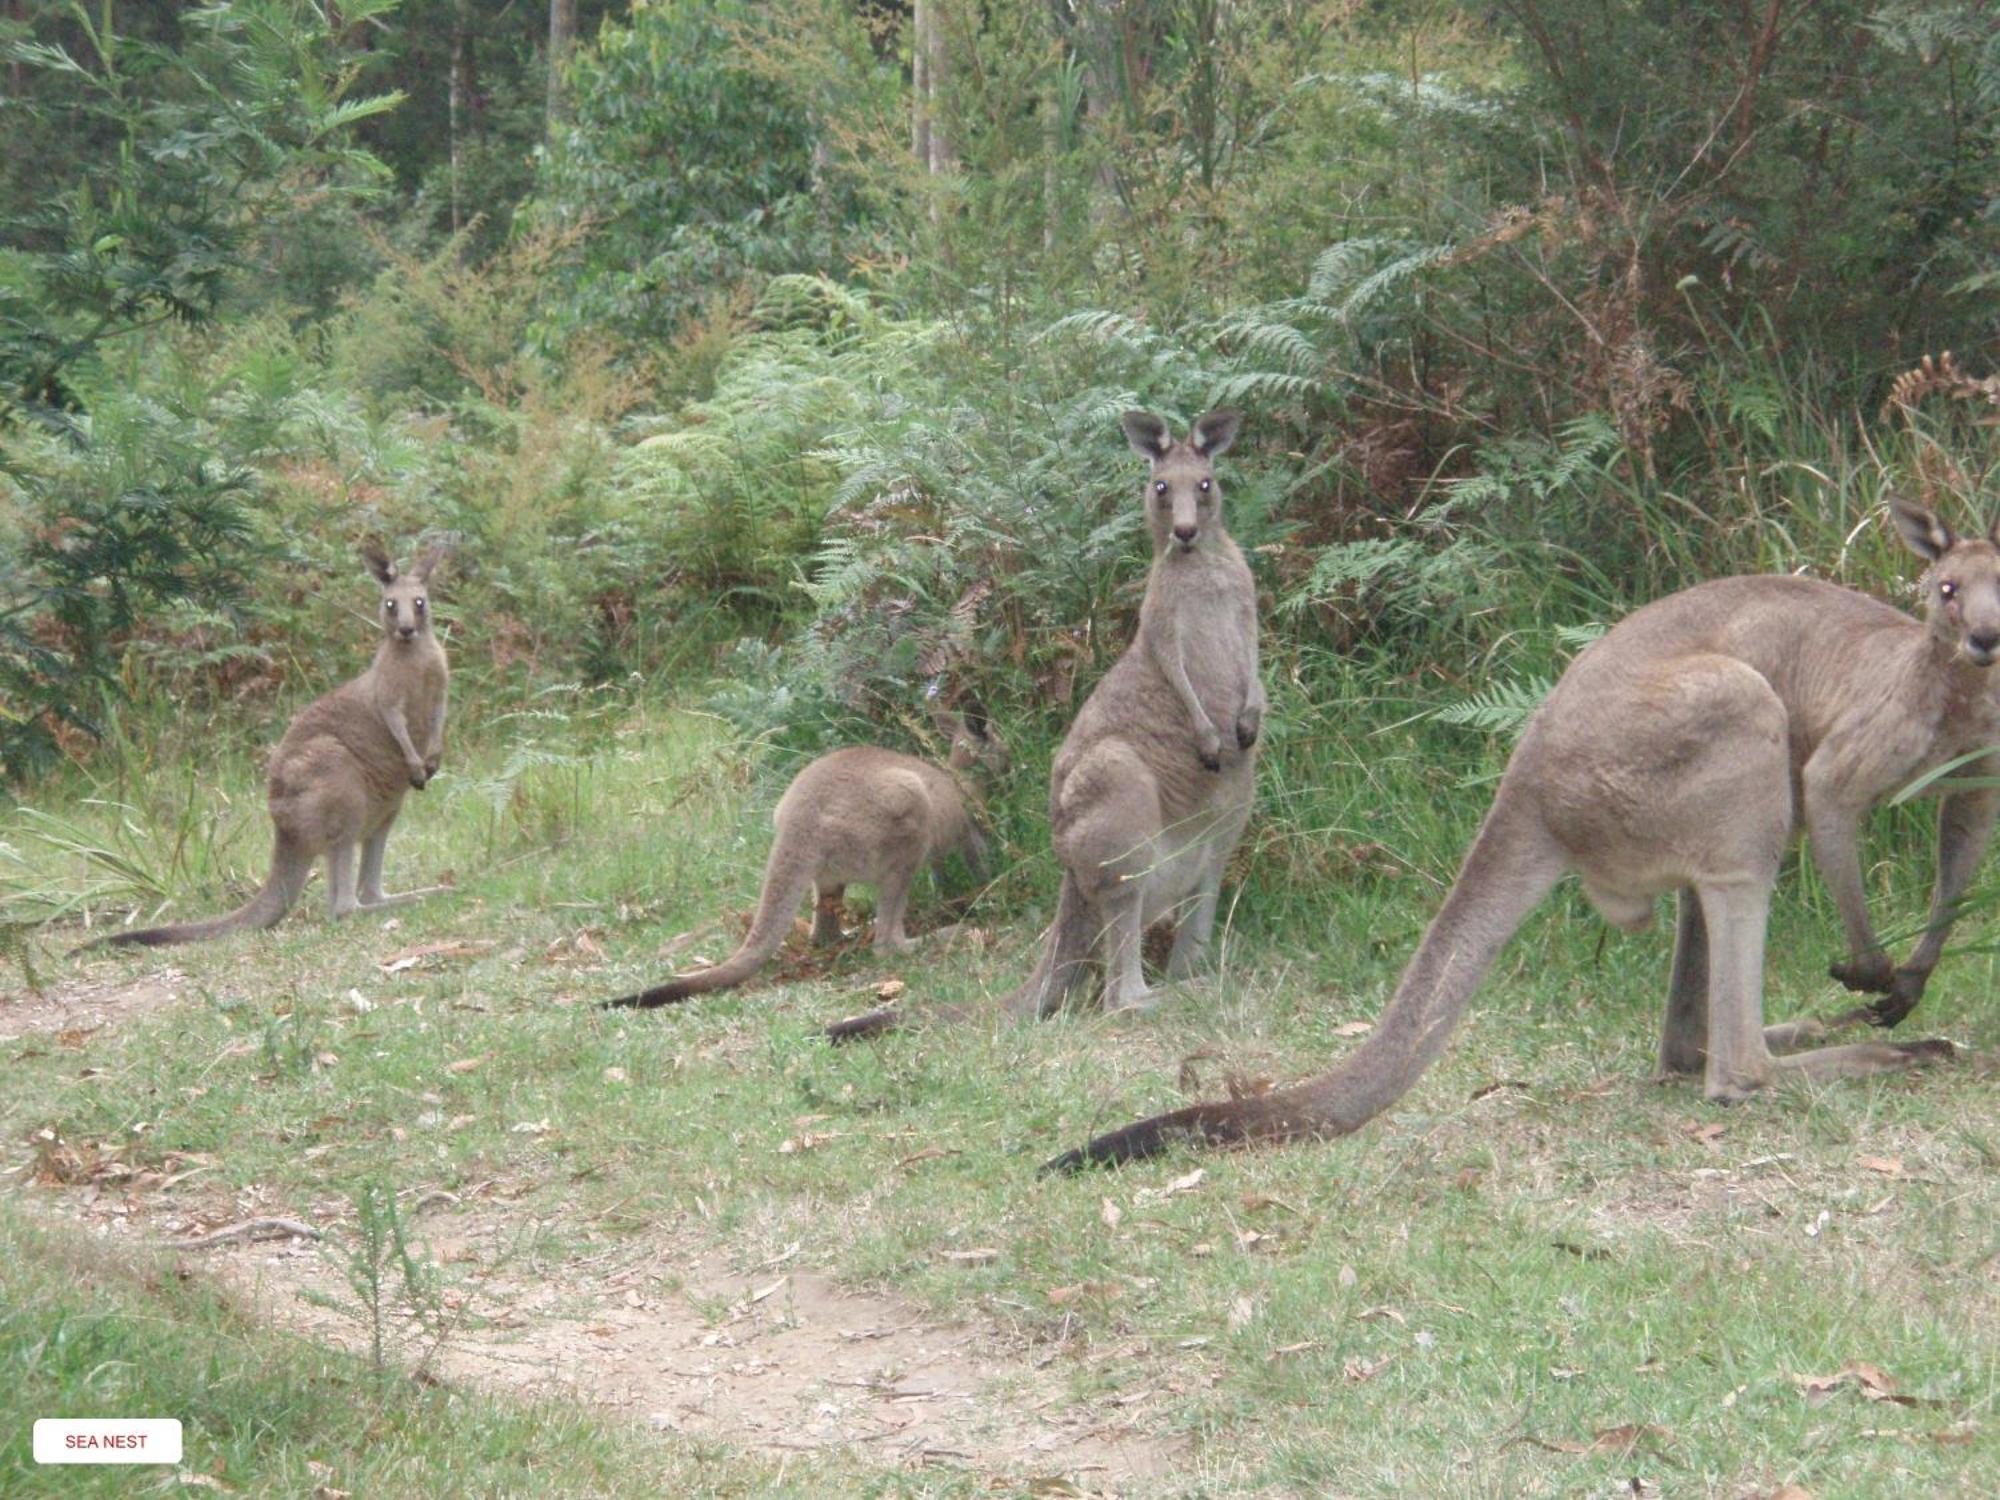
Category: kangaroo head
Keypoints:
(1961, 587)
(406, 605)
(974, 740)
(1183, 501)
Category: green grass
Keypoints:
(1449, 1303)
(87, 1331)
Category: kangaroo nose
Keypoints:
(1984, 642)
(1184, 534)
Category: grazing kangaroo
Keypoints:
(339, 775)
(1683, 752)
(862, 815)
(1149, 794)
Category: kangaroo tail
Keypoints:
(1512, 865)
(787, 874)
(291, 863)
(1062, 967)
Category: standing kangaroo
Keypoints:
(862, 815)
(339, 775)
(1152, 786)
(1683, 752)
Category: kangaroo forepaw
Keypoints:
(1900, 994)
(1249, 724)
(420, 777)
(1905, 990)
(1871, 974)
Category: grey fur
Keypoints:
(1153, 784)
(338, 777)
(863, 816)
(1683, 752)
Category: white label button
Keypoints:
(108, 1440)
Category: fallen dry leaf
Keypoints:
(1707, 1135)
(1869, 1379)
(1188, 1183)
(889, 989)
(1358, 1370)
(1354, 1028)
(410, 958)
(1242, 1313)
(983, 1256)
(1370, 1314)
(1299, 1348)
(1888, 1166)
(466, 1064)
(1110, 1213)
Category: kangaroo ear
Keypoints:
(378, 563)
(427, 561)
(1922, 532)
(1147, 434)
(975, 720)
(1215, 432)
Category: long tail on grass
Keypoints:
(787, 875)
(1512, 865)
(291, 863)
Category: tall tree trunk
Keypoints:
(923, 16)
(937, 75)
(562, 34)
(460, 99)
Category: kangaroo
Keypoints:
(339, 775)
(863, 815)
(1683, 751)
(1148, 794)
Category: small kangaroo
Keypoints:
(863, 815)
(1148, 794)
(339, 775)
(1683, 752)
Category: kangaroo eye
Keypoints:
(1160, 488)
(1947, 589)
(420, 605)
(1204, 486)
(389, 605)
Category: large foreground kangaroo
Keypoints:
(1152, 786)
(339, 775)
(1682, 752)
(862, 815)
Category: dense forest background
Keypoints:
(778, 346)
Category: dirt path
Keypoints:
(774, 1358)
(83, 1006)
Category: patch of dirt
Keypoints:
(84, 1005)
(773, 1358)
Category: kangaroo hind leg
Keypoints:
(370, 896)
(1684, 1038)
(1192, 931)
